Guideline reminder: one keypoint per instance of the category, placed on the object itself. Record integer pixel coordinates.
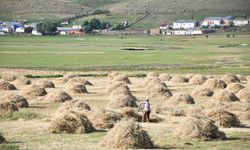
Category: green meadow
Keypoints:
(212, 54)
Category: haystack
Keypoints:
(22, 81)
(245, 116)
(2, 139)
(76, 88)
(165, 77)
(151, 80)
(46, 83)
(34, 91)
(62, 80)
(241, 77)
(116, 85)
(127, 135)
(79, 80)
(74, 105)
(229, 78)
(4, 85)
(6, 106)
(179, 79)
(113, 74)
(199, 91)
(224, 118)
(156, 90)
(121, 78)
(9, 77)
(225, 96)
(198, 79)
(120, 90)
(130, 113)
(244, 94)
(58, 96)
(122, 100)
(104, 119)
(181, 98)
(18, 100)
(194, 128)
(234, 87)
(70, 123)
(152, 75)
(70, 75)
(154, 81)
(214, 83)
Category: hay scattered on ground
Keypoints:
(244, 94)
(165, 77)
(6, 106)
(58, 96)
(229, 78)
(79, 80)
(127, 135)
(9, 77)
(224, 118)
(70, 75)
(177, 112)
(241, 77)
(2, 139)
(181, 98)
(76, 88)
(122, 100)
(194, 128)
(4, 85)
(116, 85)
(46, 83)
(74, 105)
(225, 96)
(34, 91)
(245, 116)
(179, 79)
(121, 78)
(70, 123)
(152, 75)
(113, 74)
(214, 83)
(234, 87)
(18, 100)
(104, 119)
(22, 81)
(130, 113)
(199, 91)
(198, 79)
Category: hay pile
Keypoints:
(244, 94)
(120, 100)
(229, 78)
(2, 139)
(241, 77)
(179, 79)
(214, 83)
(181, 98)
(6, 106)
(113, 74)
(58, 96)
(199, 91)
(116, 85)
(104, 119)
(74, 105)
(127, 135)
(71, 122)
(9, 77)
(76, 88)
(4, 85)
(18, 100)
(70, 75)
(121, 78)
(225, 96)
(62, 80)
(34, 91)
(79, 80)
(245, 115)
(234, 87)
(46, 83)
(22, 81)
(165, 77)
(224, 118)
(155, 90)
(151, 80)
(198, 79)
(194, 128)
(130, 113)
(152, 75)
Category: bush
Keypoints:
(47, 28)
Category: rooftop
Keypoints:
(185, 21)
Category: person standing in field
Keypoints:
(146, 111)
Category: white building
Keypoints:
(185, 24)
(20, 30)
(241, 22)
(217, 21)
(194, 31)
(180, 32)
(77, 27)
(34, 32)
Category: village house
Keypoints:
(154, 31)
(12, 25)
(185, 24)
(180, 32)
(20, 29)
(67, 31)
(217, 21)
(164, 29)
(194, 31)
(241, 22)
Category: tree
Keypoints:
(86, 22)
(95, 23)
(47, 28)
(88, 29)
(105, 25)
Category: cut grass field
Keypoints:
(190, 54)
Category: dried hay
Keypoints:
(234, 87)
(9, 77)
(244, 94)
(199, 91)
(120, 90)
(155, 90)
(18, 100)
(34, 91)
(198, 79)
(165, 77)
(194, 128)
(127, 135)
(130, 113)
(74, 105)
(229, 78)
(152, 75)
(70, 123)
(76, 88)
(116, 85)
(6, 106)
(61, 80)
(79, 80)
(224, 118)
(4, 85)
(70, 75)
(181, 98)
(104, 119)
(151, 80)
(225, 96)
(179, 79)
(122, 100)
(22, 81)
(245, 116)
(58, 96)
(241, 77)
(46, 83)
(113, 74)
(177, 112)
(214, 83)
(121, 78)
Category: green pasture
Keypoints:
(156, 52)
